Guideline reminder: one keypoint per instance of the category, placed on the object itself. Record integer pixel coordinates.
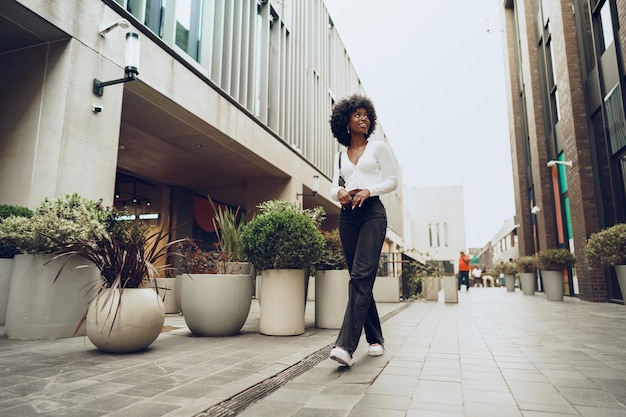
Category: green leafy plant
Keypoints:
(70, 219)
(7, 210)
(607, 247)
(332, 255)
(283, 236)
(505, 268)
(317, 214)
(422, 275)
(9, 236)
(555, 259)
(527, 264)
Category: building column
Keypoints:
(52, 143)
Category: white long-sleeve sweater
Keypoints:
(375, 170)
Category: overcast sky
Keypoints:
(434, 70)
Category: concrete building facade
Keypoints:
(435, 225)
(232, 100)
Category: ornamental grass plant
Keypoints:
(228, 224)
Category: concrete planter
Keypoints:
(387, 289)
(431, 287)
(620, 270)
(331, 298)
(527, 282)
(216, 304)
(553, 286)
(450, 289)
(178, 291)
(6, 269)
(40, 309)
(282, 302)
(509, 282)
(166, 288)
(133, 327)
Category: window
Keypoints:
(430, 235)
(188, 14)
(147, 11)
(615, 119)
(607, 24)
(551, 73)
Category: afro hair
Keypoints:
(343, 110)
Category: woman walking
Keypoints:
(363, 172)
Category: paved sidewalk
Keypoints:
(492, 354)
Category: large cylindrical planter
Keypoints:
(553, 286)
(450, 289)
(431, 287)
(166, 288)
(620, 270)
(216, 304)
(40, 309)
(125, 327)
(178, 292)
(527, 282)
(509, 282)
(331, 298)
(282, 302)
(6, 269)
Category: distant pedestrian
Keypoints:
(464, 270)
(477, 276)
(361, 173)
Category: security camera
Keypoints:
(535, 210)
(97, 109)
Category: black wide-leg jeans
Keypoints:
(362, 232)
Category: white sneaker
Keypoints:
(342, 356)
(376, 350)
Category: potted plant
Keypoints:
(608, 248)
(228, 224)
(331, 283)
(552, 263)
(215, 301)
(508, 269)
(282, 241)
(527, 267)
(8, 249)
(123, 315)
(36, 309)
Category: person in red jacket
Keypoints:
(464, 269)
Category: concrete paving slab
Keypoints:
(493, 353)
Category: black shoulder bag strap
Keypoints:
(342, 181)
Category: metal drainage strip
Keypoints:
(237, 403)
(234, 405)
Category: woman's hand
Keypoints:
(345, 199)
(358, 197)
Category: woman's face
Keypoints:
(359, 121)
